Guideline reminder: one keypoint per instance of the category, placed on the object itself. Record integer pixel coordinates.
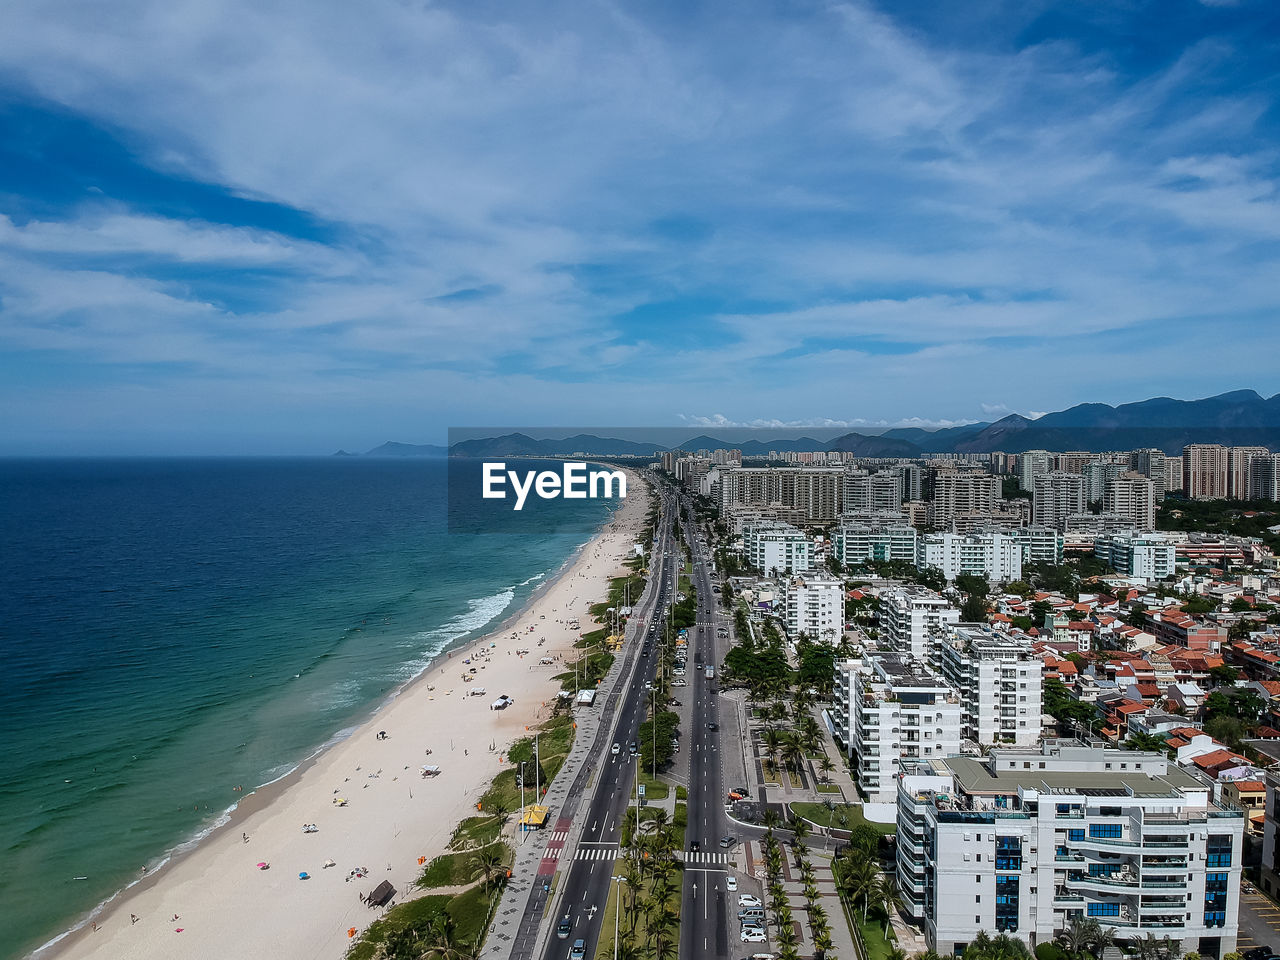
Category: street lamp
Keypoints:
(617, 909)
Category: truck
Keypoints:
(710, 672)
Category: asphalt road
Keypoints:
(585, 879)
(708, 912)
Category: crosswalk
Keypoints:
(560, 835)
(612, 853)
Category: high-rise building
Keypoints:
(1073, 461)
(961, 492)
(1151, 462)
(1000, 681)
(815, 607)
(1264, 477)
(1133, 497)
(1173, 475)
(1238, 460)
(777, 547)
(914, 620)
(1025, 840)
(1204, 471)
(1032, 463)
(1057, 495)
(1097, 475)
(900, 712)
(815, 490)
(996, 556)
(868, 493)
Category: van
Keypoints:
(751, 913)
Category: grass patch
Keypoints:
(682, 793)
(454, 869)
(828, 788)
(654, 789)
(851, 812)
(415, 913)
(475, 832)
(680, 820)
(554, 741)
(878, 948)
(468, 910)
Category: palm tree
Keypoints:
(771, 820)
(827, 767)
(1076, 936)
(488, 860)
(857, 881)
(799, 830)
(500, 810)
(897, 953)
(889, 898)
(822, 942)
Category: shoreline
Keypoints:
(260, 801)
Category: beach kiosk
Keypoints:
(535, 817)
(381, 894)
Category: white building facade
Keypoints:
(1146, 557)
(996, 556)
(1025, 840)
(815, 607)
(900, 711)
(862, 542)
(1000, 682)
(777, 546)
(915, 620)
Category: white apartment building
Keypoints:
(861, 542)
(815, 607)
(1146, 557)
(1133, 497)
(996, 556)
(842, 702)
(914, 620)
(1024, 840)
(1056, 495)
(777, 546)
(1030, 465)
(1204, 470)
(1000, 682)
(900, 711)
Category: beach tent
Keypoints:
(382, 894)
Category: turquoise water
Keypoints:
(170, 629)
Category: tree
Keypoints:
(1146, 742)
(1226, 729)
(889, 898)
(1224, 675)
(488, 860)
(974, 609)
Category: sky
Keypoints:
(275, 227)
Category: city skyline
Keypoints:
(244, 232)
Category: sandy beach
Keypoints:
(216, 902)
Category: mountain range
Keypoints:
(1238, 418)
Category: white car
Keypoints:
(753, 935)
(747, 900)
(679, 683)
(731, 884)
(617, 748)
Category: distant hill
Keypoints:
(1238, 418)
(393, 449)
(1241, 417)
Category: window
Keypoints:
(1219, 860)
(978, 898)
(1104, 909)
(1075, 834)
(1111, 831)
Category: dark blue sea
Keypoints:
(170, 629)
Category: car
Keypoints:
(578, 951)
(713, 726)
(731, 883)
(679, 683)
(741, 792)
(695, 845)
(747, 900)
(617, 748)
(565, 925)
(1257, 953)
(752, 915)
(753, 935)
(727, 842)
(633, 749)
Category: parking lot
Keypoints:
(1259, 922)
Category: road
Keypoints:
(708, 911)
(1259, 922)
(585, 879)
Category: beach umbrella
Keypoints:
(304, 875)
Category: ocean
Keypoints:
(171, 629)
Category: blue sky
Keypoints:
(257, 228)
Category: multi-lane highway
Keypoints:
(584, 880)
(708, 912)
